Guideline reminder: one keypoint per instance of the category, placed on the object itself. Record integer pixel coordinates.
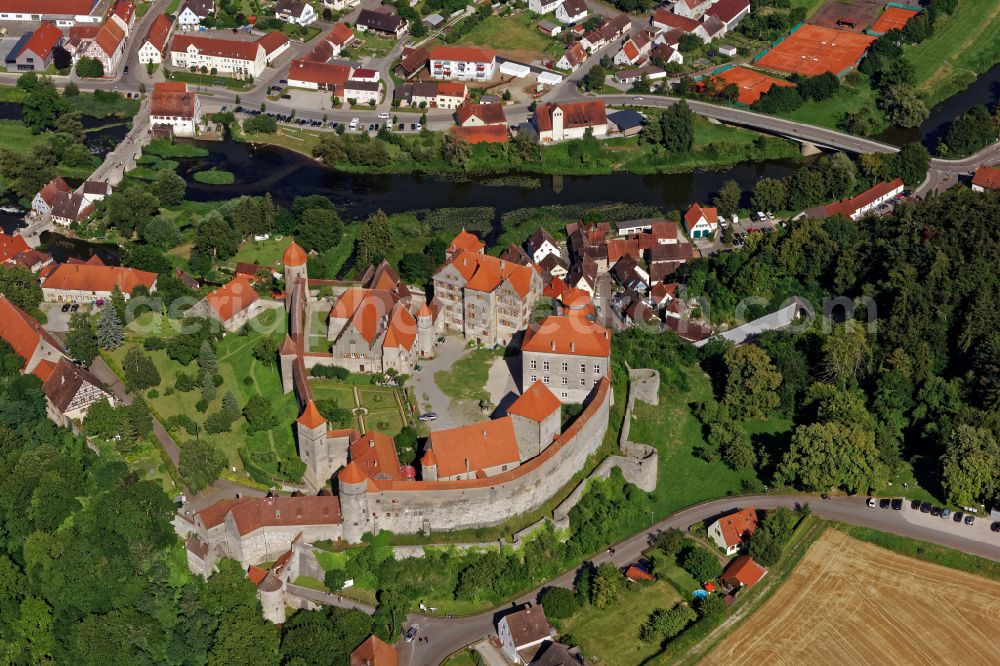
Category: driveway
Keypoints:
(430, 397)
(57, 321)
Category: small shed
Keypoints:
(727, 50)
(549, 28)
(434, 20)
(549, 78)
(628, 122)
(742, 572)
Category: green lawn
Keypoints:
(612, 635)
(467, 377)
(317, 341)
(166, 149)
(828, 112)
(514, 36)
(18, 138)
(215, 176)
(667, 569)
(962, 47)
(172, 7)
(208, 80)
(325, 389)
(372, 46)
(463, 658)
(264, 253)
(266, 450)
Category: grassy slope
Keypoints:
(510, 35)
(612, 635)
(962, 47)
(467, 377)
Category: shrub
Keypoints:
(185, 382)
(330, 372)
(153, 394)
(152, 343)
(700, 563)
(248, 381)
(201, 405)
(217, 422)
(559, 602)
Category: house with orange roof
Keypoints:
(731, 531)
(69, 391)
(227, 56)
(474, 451)
(27, 337)
(568, 353)
(374, 652)
(537, 419)
(36, 53)
(986, 178)
(173, 105)
(487, 299)
(701, 221)
(87, 283)
(154, 45)
(11, 246)
(462, 63)
(570, 120)
(378, 325)
(742, 572)
(107, 46)
(45, 199)
(466, 241)
(232, 305)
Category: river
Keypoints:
(287, 174)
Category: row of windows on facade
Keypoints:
(564, 366)
(563, 381)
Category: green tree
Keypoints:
(110, 334)
(375, 238)
(607, 586)
(912, 163)
(335, 579)
(81, 341)
(390, 614)
(216, 237)
(700, 563)
(139, 415)
(117, 301)
(751, 382)
(42, 106)
(161, 232)
(258, 414)
(970, 467)
(89, 68)
(727, 200)
(677, 123)
(200, 464)
(169, 188)
(902, 106)
(665, 623)
(26, 174)
(140, 371)
(559, 602)
(128, 209)
(231, 407)
(244, 638)
(671, 541)
(20, 286)
(846, 351)
(319, 229)
(594, 79)
(455, 150)
(829, 455)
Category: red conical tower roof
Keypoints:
(311, 418)
(429, 459)
(294, 255)
(352, 473)
(424, 311)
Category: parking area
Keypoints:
(58, 315)
(961, 523)
(406, 122)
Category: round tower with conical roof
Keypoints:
(425, 331)
(294, 260)
(354, 502)
(429, 467)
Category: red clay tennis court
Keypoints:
(751, 84)
(812, 50)
(893, 18)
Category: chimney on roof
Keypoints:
(552, 344)
(572, 346)
(277, 513)
(371, 442)
(466, 464)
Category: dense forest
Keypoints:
(917, 384)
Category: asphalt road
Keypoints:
(448, 635)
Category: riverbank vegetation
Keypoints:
(215, 176)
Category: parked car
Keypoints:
(872, 502)
(74, 307)
(884, 503)
(637, 98)
(402, 127)
(897, 504)
(413, 127)
(945, 513)
(925, 507)
(935, 511)
(411, 633)
(65, 307)
(970, 519)
(915, 505)
(384, 115)
(995, 526)
(957, 517)
(354, 124)
(427, 416)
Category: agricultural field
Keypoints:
(852, 602)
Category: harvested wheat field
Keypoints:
(850, 602)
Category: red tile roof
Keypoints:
(374, 455)
(11, 245)
(224, 48)
(576, 54)
(575, 114)
(273, 41)
(83, 31)
(318, 72)
(727, 10)
(744, 570)
(52, 188)
(452, 89)
(45, 38)
(987, 177)
(374, 652)
(537, 403)
(466, 241)
(159, 32)
(567, 335)
(483, 272)
(124, 9)
(462, 53)
(256, 575)
(635, 573)
(851, 206)
(341, 34)
(402, 329)
(311, 418)
(474, 447)
(233, 298)
(489, 114)
(371, 313)
(253, 513)
(172, 98)
(482, 134)
(76, 7)
(555, 288)
(22, 331)
(735, 525)
(697, 211)
(110, 37)
(294, 255)
(671, 20)
(91, 277)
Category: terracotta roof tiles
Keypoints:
(567, 335)
(475, 447)
(93, 278)
(537, 403)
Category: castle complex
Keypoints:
(472, 476)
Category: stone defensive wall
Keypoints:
(407, 507)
